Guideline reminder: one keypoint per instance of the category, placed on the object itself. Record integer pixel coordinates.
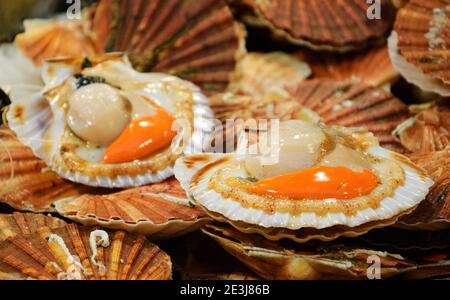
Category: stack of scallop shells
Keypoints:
(337, 68)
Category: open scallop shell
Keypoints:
(159, 211)
(195, 172)
(197, 40)
(434, 212)
(266, 75)
(44, 39)
(325, 25)
(273, 261)
(26, 183)
(428, 130)
(74, 252)
(372, 67)
(26, 223)
(40, 124)
(354, 105)
(419, 45)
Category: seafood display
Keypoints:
(227, 140)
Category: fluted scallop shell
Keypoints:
(273, 261)
(159, 211)
(45, 39)
(197, 40)
(434, 212)
(325, 25)
(26, 223)
(428, 130)
(26, 183)
(372, 67)
(40, 124)
(195, 173)
(419, 45)
(266, 75)
(83, 253)
(354, 105)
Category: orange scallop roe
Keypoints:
(143, 137)
(321, 182)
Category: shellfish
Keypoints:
(76, 253)
(100, 123)
(342, 25)
(26, 223)
(266, 75)
(160, 210)
(433, 213)
(372, 67)
(45, 39)
(273, 261)
(354, 105)
(419, 45)
(428, 130)
(197, 40)
(26, 183)
(259, 192)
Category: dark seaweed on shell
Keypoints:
(4, 102)
(86, 80)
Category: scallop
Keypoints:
(92, 110)
(325, 179)
(98, 113)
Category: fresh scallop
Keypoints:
(329, 177)
(100, 123)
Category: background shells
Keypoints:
(45, 39)
(25, 181)
(372, 67)
(274, 261)
(26, 223)
(66, 253)
(266, 75)
(421, 38)
(354, 105)
(160, 210)
(428, 130)
(196, 40)
(340, 25)
(434, 212)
